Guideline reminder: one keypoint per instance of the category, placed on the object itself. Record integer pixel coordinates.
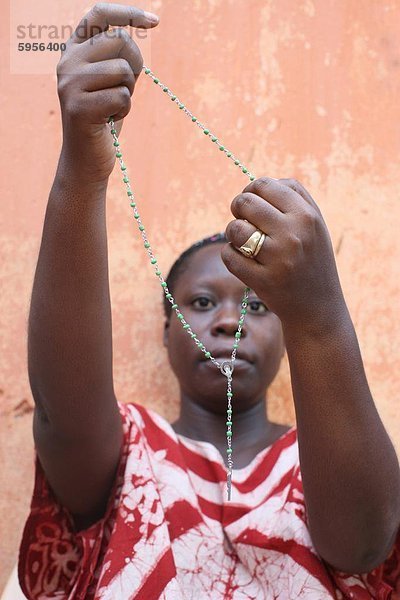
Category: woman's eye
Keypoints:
(254, 306)
(202, 302)
(258, 306)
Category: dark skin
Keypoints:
(354, 516)
(349, 467)
(210, 298)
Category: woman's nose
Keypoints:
(226, 322)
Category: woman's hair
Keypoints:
(180, 265)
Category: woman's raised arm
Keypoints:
(77, 426)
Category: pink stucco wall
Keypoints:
(307, 89)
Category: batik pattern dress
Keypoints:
(170, 533)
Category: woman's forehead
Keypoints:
(206, 267)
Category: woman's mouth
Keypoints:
(239, 364)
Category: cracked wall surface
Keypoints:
(304, 89)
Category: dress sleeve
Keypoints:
(54, 560)
(382, 583)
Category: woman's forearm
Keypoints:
(349, 467)
(69, 332)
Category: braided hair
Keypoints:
(180, 264)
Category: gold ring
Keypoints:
(253, 245)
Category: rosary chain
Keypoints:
(226, 367)
(194, 119)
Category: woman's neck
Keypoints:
(252, 431)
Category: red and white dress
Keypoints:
(169, 532)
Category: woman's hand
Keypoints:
(295, 271)
(96, 77)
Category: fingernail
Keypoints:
(151, 17)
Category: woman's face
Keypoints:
(209, 297)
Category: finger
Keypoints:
(300, 189)
(99, 105)
(248, 270)
(107, 74)
(279, 195)
(239, 231)
(115, 44)
(259, 212)
(102, 15)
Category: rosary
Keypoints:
(250, 249)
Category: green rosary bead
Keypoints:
(141, 227)
(214, 139)
(229, 450)
(236, 345)
(116, 144)
(156, 80)
(114, 131)
(158, 273)
(229, 434)
(237, 162)
(194, 119)
(125, 180)
(129, 193)
(147, 71)
(173, 98)
(165, 89)
(206, 131)
(244, 170)
(237, 335)
(118, 155)
(243, 311)
(168, 296)
(137, 216)
(146, 245)
(186, 326)
(153, 261)
(180, 316)
(164, 284)
(174, 306)
(133, 204)
(221, 148)
(229, 394)
(229, 423)
(207, 354)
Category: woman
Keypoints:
(127, 505)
